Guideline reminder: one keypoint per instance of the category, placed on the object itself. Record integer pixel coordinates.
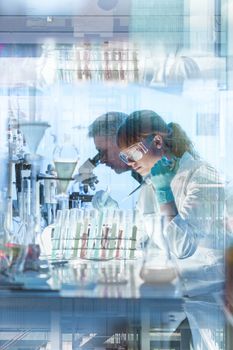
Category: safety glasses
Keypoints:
(133, 153)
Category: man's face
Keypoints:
(109, 151)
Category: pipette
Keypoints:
(145, 181)
(130, 194)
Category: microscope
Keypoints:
(86, 179)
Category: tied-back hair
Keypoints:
(178, 142)
(143, 123)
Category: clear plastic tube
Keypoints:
(56, 235)
(133, 237)
(78, 231)
(70, 234)
(84, 235)
(99, 235)
(113, 236)
(120, 236)
(92, 233)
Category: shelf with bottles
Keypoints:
(102, 62)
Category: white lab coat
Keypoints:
(207, 321)
(149, 218)
(200, 200)
(199, 196)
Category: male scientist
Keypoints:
(104, 131)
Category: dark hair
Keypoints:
(143, 123)
(107, 124)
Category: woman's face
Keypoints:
(142, 156)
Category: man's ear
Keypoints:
(158, 141)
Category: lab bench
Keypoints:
(105, 305)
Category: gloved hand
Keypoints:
(162, 174)
(102, 200)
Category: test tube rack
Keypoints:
(93, 235)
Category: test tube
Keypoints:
(133, 236)
(70, 233)
(84, 235)
(105, 234)
(78, 230)
(114, 230)
(98, 235)
(56, 234)
(92, 232)
(128, 231)
(64, 231)
(120, 234)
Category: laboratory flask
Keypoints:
(158, 265)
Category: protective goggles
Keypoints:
(133, 153)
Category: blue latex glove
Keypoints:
(102, 200)
(162, 174)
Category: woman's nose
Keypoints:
(132, 164)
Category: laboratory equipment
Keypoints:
(80, 199)
(5, 251)
(58, 177)
(158, 272)
(158, 266)
(50, 193)
(146, 180)
(22, 234)
(86, 179)
(120, 232)
(33, 133)
(85, 171)
(93, 235)
(113, 275)
(65, 158)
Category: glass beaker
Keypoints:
(65, 159)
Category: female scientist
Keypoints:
(188, 191)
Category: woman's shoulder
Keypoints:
(188, 163)
(199, 168)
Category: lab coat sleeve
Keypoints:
(148, 210)
(200, 219)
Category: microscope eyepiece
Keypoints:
(96, 159)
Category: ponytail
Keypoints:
(177, 141)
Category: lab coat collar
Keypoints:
(185, 161)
